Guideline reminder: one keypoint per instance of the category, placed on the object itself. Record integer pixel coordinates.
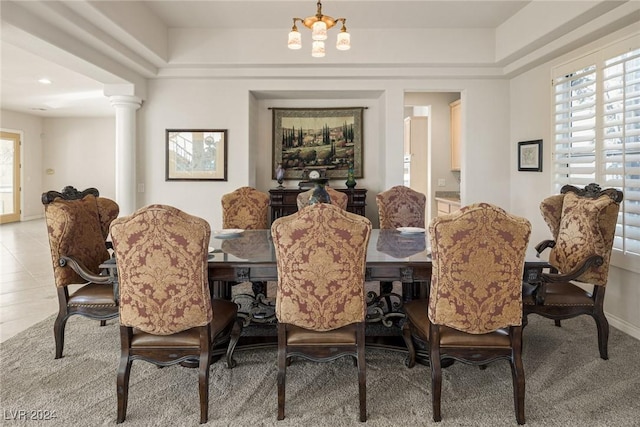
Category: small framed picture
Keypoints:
(196, 154)
(530, 156)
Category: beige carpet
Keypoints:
(567, 384)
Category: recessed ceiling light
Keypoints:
(44, 81)
(39, 109)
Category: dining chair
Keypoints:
(401, 206)
(166, 313)
(245, 208)
(77, 226)
(337, 198)
(582, 223)
(320, 302)
(474, 311)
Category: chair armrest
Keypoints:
(590, 261)
(553, 277)
(540, 247)
(83, 272)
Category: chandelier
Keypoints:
(319, 24)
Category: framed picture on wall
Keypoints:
(327, 139)
(530, 156)
(196, 154)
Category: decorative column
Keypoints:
(126, 106)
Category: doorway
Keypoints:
(9, 177)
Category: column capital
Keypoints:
(125, 101)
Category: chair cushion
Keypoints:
(93, 294)
(416, 312)
(562, 294)
(188, 338)
(587, 227)
(224, 313)
(345, 335)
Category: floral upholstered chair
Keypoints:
(320, 303)
(401, 206)
(245, 208)
(166, 313)
(474, 311)
(582, 223)
(338, 198)
(77, 225)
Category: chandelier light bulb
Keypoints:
(318, 49)
(344, 41)
(295, 40)
(319, 30)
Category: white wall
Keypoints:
(31, 157)
(242, 107)
(531, 114)
(81, 153)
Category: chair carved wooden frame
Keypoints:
(587, 216)
(78, 225)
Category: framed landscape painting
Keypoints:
(327, 139)
(196, 154)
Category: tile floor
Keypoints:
(27, 290)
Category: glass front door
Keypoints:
(9, 177)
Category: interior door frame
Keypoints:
(16, 137)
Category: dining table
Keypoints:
(398, 270)
(393, 257)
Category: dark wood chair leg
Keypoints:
(203, 374)
(517, 373)
(410, 361)
(282, 369)
(235, 336)
(436, 371)
(603, 334)
(103, 323)
(557, 322)
(362, 374)
(58, 333)
(123, 387)
(436, 385)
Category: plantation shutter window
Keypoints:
(621, 143)
(596, 134)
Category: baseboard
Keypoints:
(623, 325)
(31, 218)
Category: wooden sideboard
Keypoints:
(283, 200)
